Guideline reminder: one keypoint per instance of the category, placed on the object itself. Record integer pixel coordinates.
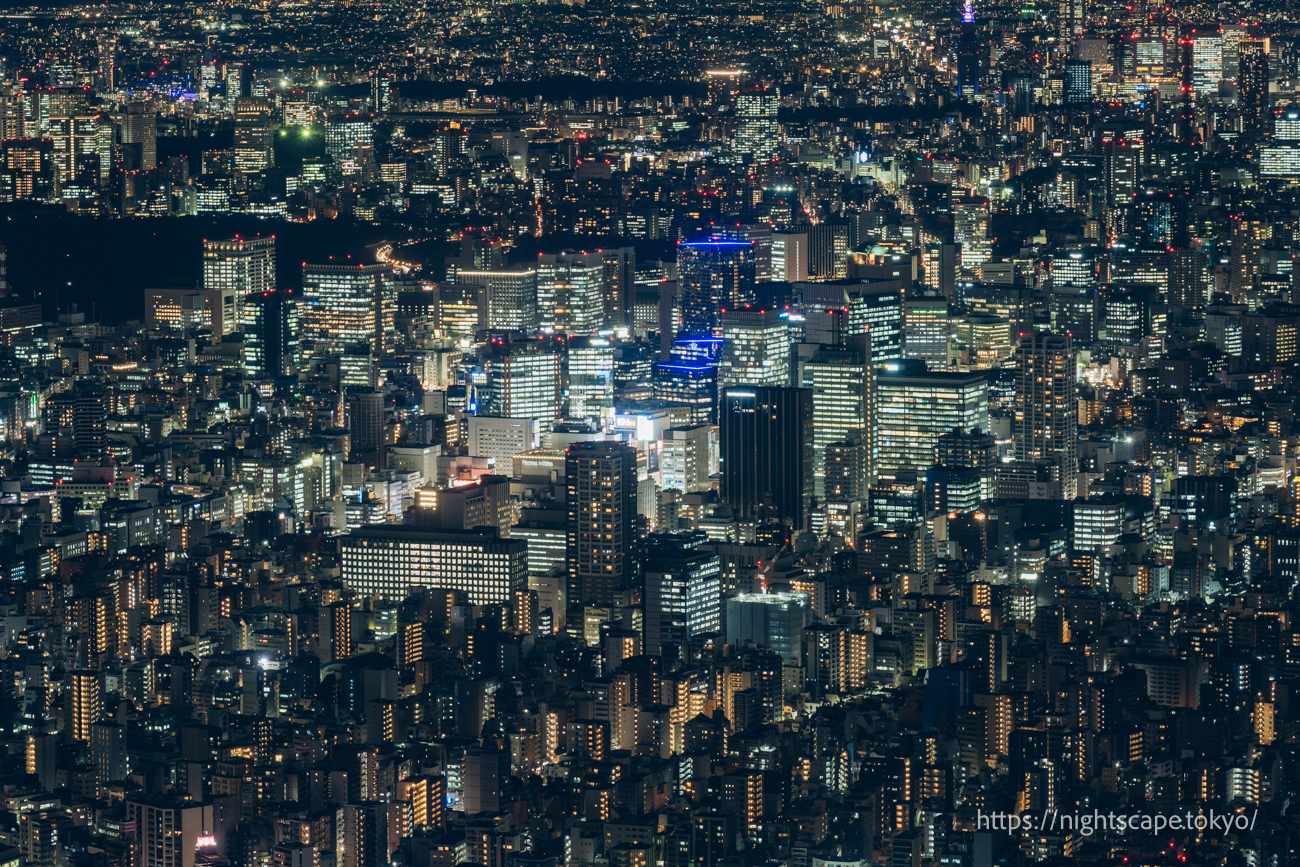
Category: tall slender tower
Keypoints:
(968, 60)
(1047, 406)
(602, 504)
(1252, 85)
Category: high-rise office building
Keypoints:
(684, 459)
(366, 412)
(712, 275)
(968, 60)
(348, 304)
(755, 348)
(683, 593)
(756, 126)
(842, 381)
(1077, 92)
(828, 249)
(388, 560)
(970, 220)
(1207, 64)
(271, 334)
(1070, 19)
(589, 372)
(925, 330)
(523, 381)
(1047, 407)
(772, 620)
(344, 133)
(139, 127)
(106, 50)
(238, 267)
(253, 134)
(505, 300)
(601, 478)
(789, 256)
(915, 407)
(767, 452)
(571, 292)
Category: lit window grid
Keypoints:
(912, 416)
(390, 567)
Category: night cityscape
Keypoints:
(629, 433)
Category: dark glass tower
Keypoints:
(968, 60)
(270, 334)
(712, 275)
(767, 452)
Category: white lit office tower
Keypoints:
(925, 330)
(504, 299)
(590, 367)
(348, 304)
(756, 123)
(842, 381)
(238, 267)
(789, 256)
(684, 459)
(914, 407)
(571, 292)
(755, 348)
(970, 218)
(523, 380)
(388, 560)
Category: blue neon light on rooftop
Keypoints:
(715, 243)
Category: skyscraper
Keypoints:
(238, 267)
(253, 134)
(1047, 408)
(1207, 64)
(1070, 18)
(712, 275)
(589, 368)
(755, 348)
(571, 292)
(1252, 85)
(1078, 84)
(683, 593)
(602, 503)
(504, 299)
(842, 381)
(756, 125)
(271, 333)
(925, 330)
(523, 381)
(970, 221)
(915, 407)
(140, 128)
(767, 452)
(345, 304)
(789, 256)
(968, 61)
(344, 133)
